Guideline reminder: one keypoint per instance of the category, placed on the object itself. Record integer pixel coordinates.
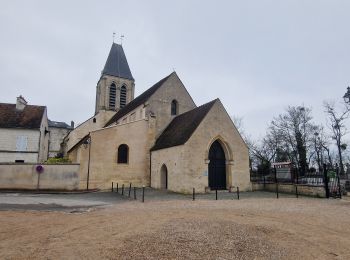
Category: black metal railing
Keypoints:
(329, 178)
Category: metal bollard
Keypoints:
(238, 193)
(117, 188)
(276, 180)
(123, 189)
(216, 193)
(296, 191)
(194, 194)
(129, 190)
(112, 186)
(134, 193)
(143, 193)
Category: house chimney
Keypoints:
(21, 103)
(72, 124)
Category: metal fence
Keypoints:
(328, 178)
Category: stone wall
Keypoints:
(88, 126)
(174, 159)
(188, 164)
(56, 138)
(308, 190)
(25, 176)
(104, 168)
(160, 102)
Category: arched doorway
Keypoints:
(164, 177)
(217, 166)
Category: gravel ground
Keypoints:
(260, 228)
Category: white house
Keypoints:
(24, 134)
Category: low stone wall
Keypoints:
(53, 177)
(308, 190)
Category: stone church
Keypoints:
(160, 139)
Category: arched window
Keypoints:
(123, 153)
(112, 92)
(122, 96)
(174, 107)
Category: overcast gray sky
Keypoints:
(256, 56)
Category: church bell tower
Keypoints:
(116, 85)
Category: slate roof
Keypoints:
(58, 124)
(141, 99)
(80, 142)
(30, 117)
(182, 127)
(116, 64)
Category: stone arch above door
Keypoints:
(225, 146)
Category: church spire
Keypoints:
(116, 64)
(115, 88)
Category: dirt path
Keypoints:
(245, 229)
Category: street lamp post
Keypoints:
(86, 143)
(347, 96)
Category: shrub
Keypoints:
(56, 160)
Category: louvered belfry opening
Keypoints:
(122, 96)
(112, 95)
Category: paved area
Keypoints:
(86, 201)
(61, 202)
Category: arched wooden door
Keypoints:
(217, 167)
(164, 177)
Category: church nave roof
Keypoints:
(182, 127)
(141, 99)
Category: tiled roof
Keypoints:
(58, 124)
(141, 99)
(80, 142)
(182, 127)
(30, 117)
(116, 64)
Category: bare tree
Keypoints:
(265, 152)
(321, 146)
(337, 126)
(294, 129)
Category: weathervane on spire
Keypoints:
(113, 36)
(121, 39)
